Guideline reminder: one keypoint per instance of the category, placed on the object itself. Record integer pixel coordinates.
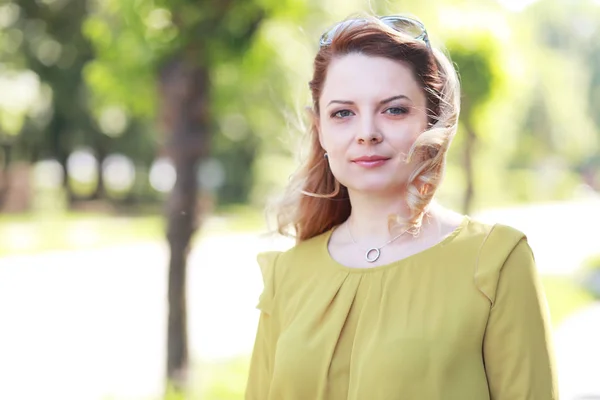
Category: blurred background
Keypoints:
(141, 139)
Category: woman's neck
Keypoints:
(368, 223)
(369, 219)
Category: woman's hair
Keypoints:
(315, 201)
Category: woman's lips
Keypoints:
(370, 161)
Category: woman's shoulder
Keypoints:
(491, 245)
(472, 231)
(490, 235)
(278, 267)
(306, 252)
(469, 236)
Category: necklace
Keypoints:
(372, 254)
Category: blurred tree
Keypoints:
(4, 177)
(11, 118)
(54, 47)
(183, 46)
(473, 59)
(46, 38)
(568, 63)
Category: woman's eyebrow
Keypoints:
(400, 96)
(340, 102)
(348, 102)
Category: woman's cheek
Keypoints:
(339, 171)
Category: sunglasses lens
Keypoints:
(410, 28)
(403, 25)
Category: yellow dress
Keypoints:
(463, 320)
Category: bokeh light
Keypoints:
(48, 174)
(162, 175)
(118, 172)
(82, 166)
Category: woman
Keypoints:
(387, 295)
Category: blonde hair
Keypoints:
(314, 201)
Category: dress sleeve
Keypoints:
(261, 362)
(517, 346)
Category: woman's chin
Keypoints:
(377, 188)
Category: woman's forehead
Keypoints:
(357, 76)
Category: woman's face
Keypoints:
(371, 111)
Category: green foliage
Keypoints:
(122, 73)
(474, 62)
(134, 40)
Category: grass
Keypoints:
(216, 380)
(225, 380)
(36, 233)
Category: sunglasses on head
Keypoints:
(408, 26)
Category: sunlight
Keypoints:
(516, 5)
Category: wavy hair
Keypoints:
(314, 201)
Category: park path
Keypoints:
(85, 325)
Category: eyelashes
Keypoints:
(400, 110)
(345, 113)
(338, 114)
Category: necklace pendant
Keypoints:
(372, 254)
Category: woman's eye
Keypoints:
(342, 114)
(397, 110)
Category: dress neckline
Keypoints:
(447, 239)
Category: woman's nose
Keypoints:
(369, 133)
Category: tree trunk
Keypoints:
(184, 115)
(468, 166)
(62, 160)
(99, 191)
(4, 174)
(56, 132)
